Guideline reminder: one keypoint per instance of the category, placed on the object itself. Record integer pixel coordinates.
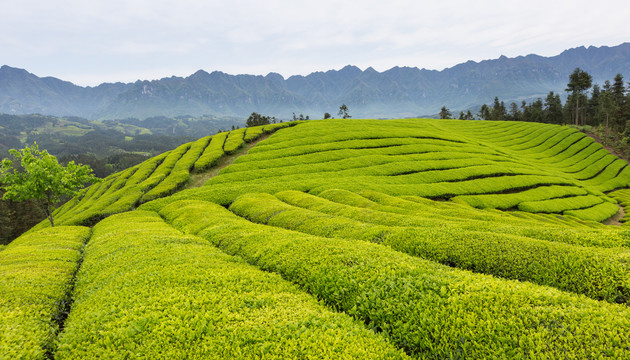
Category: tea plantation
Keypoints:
(350, 239)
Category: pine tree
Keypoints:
(579, 81)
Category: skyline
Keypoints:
(89, 43)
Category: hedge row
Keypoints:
(234, 141)
(416, 151)
(405, 158)
(561, 204)
(212, 153)
(623, 197)
(555, 138)
(36, 272)
(339, 131)
(364, 166)
(180, 173)
(401, 145)
(450, 214)
(534, 140)
(597, 273)
(430, 310)
(567, 147)
(597, 213)
(512, 200)
(252, 133)
(146, 290)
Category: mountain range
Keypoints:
(397, 92)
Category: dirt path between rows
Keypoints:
(615, 219)
(197, 180)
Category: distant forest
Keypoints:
(587, 104)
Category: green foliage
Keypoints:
(599, 212)
(146, 288)
(357, 215)
(36, 273)
(445, 113)
(180, 173)
(252, 134)
(598, 273)
(212, 153)
(255, 119)
(485, 164)
(430, 310)
(343, 112)
(234, 141)
(42, 178)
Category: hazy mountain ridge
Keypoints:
(397, 92)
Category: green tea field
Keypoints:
(336, 239)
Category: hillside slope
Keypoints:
(340, 238)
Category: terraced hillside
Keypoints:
(337, 239)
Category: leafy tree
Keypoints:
(42, 178)
(327, 116)
(553, 108)
(343, 112)
(498, 111)
(579, 81)
(255, 119)
(607, 106)
(466, 116)
(484, 112)
(17, 217)
(515, 112)
(536, 113)
(445, 113)
(618, 92)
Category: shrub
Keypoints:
(428, 309)
(145, 289)
(36, 272)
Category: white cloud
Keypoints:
(94, 41)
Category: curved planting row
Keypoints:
(36, 273)
(147, 290)
(427, 309)
(484, 164)
(155, 178)
(483, 247)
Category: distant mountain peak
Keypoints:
(398, 92)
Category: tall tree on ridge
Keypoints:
(618, 92)
(579, 81)
(553, 108)
(343, 112)
(445, 113)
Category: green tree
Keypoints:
(618, 92)
(445, 113)
(343, 112)
(515, 112)
(484, 112)
(42, 178)
(579, 81)
(327, 116)
(498, 111)
(607, 106)
(553, 108)
(255, 119)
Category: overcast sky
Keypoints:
(91, 41)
